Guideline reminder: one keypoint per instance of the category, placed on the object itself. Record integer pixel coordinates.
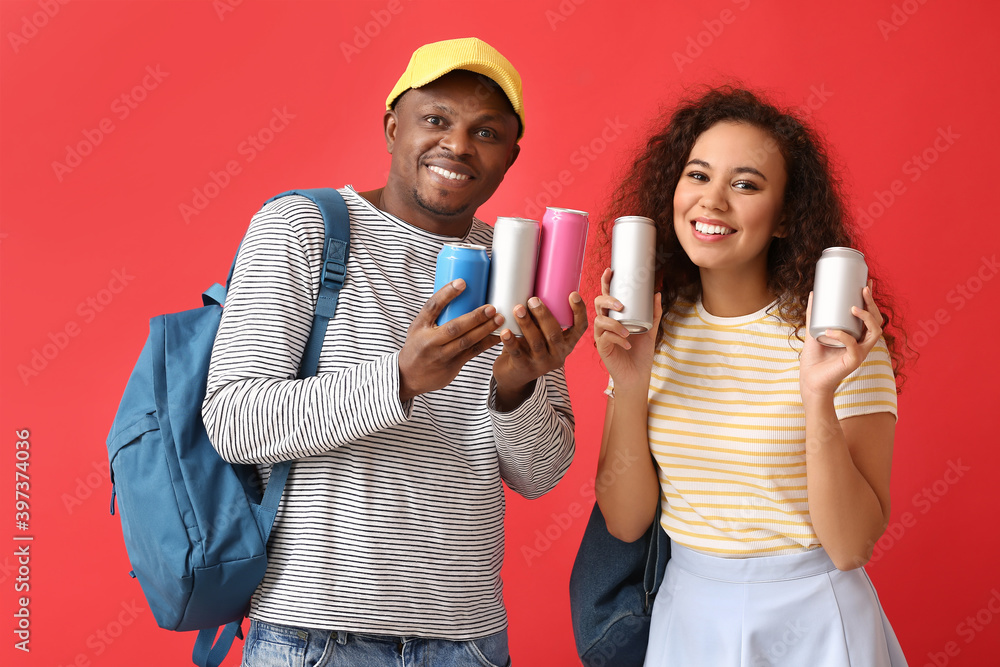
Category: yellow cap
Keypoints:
(432, 61)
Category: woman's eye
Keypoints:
(745, 185)
(698, 176)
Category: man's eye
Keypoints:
(435, 120)
(487, 134)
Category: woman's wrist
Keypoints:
(627, 393)
(816, 396)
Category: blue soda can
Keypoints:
(470, 263)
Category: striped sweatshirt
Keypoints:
(392, 519)
(727, 430)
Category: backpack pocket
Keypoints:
(151, 517)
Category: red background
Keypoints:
(885, 81)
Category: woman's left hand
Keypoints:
(823, 368)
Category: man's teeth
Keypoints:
(712, 229)
(449, 174)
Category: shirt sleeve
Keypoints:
(535, 441)
(255, 410)
(870, 388)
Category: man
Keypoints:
(388, 545)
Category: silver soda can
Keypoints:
(841, 275)
(512, 267)
(633, 257)
(470, 263)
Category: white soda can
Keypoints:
(633, 255)
(841, 275)
(512, 267)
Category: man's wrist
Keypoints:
(508, 399)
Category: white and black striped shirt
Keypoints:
(392, 516)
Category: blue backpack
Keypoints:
(195, 526)
(611, 591)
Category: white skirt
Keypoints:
(792, 610)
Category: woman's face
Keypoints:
(727, 204)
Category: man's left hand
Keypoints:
(543, 347)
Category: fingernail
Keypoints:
(534, 302)
(618, 305)
(520, 311)
(575, 298)
(458, 283)
(490, 311)
(498, 320)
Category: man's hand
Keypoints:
(543, 348)
(433, 355)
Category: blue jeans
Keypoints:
(270, 645)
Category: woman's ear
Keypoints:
(781, 231)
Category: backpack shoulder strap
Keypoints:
(213, 644)
(336, 243)
(336, 246)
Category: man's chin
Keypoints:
(441, 207)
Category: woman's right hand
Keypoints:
(627, 357)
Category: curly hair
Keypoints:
(813, 211)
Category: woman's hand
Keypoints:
(823, 368)
(628, 357)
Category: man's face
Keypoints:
(451, 142)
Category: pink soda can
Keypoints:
(560, 260)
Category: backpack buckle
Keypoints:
(334, 264)
(333, 273)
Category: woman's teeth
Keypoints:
(448, 174)
(712, 229)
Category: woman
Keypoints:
(771, 453)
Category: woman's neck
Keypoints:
(733, 293)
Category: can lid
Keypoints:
(842, 251)
(566, 210)
(635, 218)
(466, 246)
(519, 220)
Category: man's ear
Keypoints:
(513, 156)
(390, 123)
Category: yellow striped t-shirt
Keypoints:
(727, 430)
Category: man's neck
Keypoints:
(383, 200)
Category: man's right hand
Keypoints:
(433, 355)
